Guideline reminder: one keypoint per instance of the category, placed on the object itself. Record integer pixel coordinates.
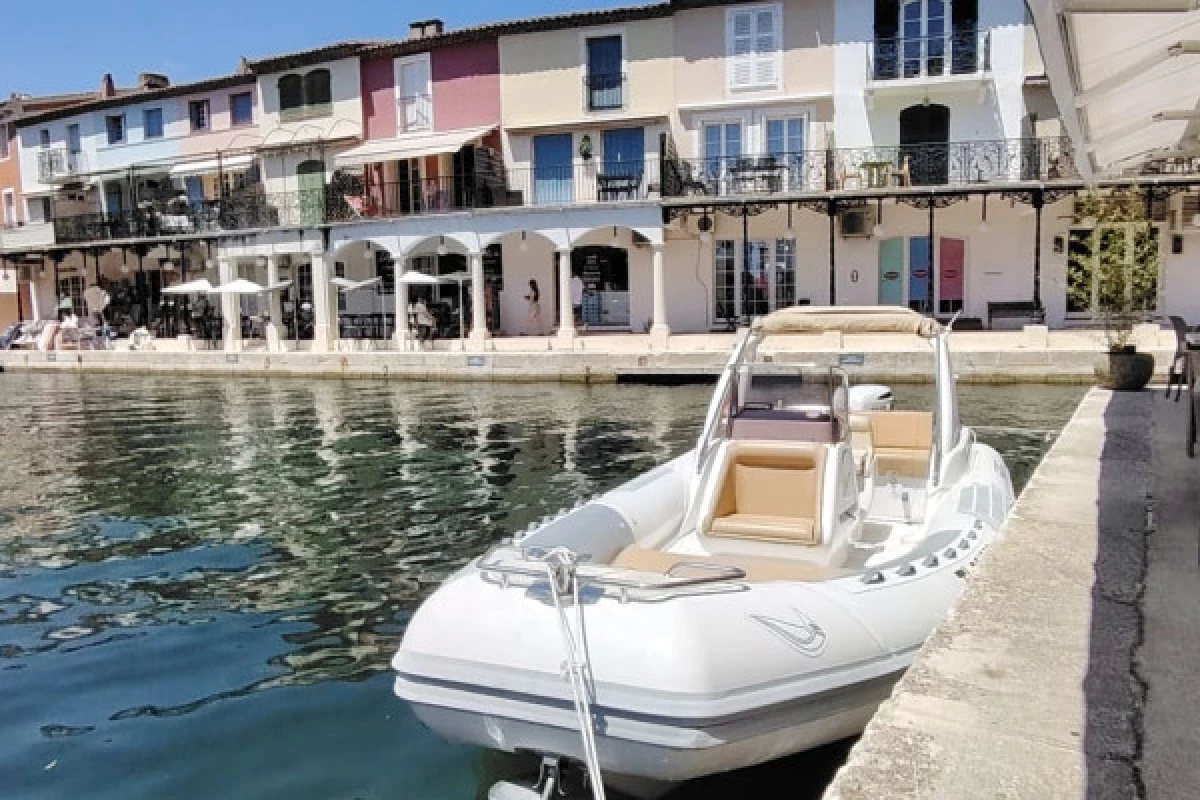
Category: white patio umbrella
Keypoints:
(345, 286)
(240, 286)
(201, 286)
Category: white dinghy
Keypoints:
(753, 598)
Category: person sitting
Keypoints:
(424, 320)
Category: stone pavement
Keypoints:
(1067, 669)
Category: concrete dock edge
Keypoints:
(1031, 688)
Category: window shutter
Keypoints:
(741, 50)
(766, 45)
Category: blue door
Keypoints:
(195, 191)
(891, 272)
(552, 169)
(919, 265)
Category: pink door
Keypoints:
(950, 275)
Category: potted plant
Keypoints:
(1117, 276)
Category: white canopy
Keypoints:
(413, 278)
(458, 277)
(413, 145)
(278, 287)
(201, 286)
(847, 319)
(209, 166)
(240, 286)
(347, 285)
(1126, 78)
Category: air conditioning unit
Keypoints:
(857, 223)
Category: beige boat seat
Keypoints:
(902, 442)
(758, 569)
(770, 492)
(860, 441)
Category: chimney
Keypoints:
(153, 80)
(106, 86)
(423, 29)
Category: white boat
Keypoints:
(756, 597)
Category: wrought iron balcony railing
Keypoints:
(950, 164)
(963, 51)
(60, 164)
(604, 91)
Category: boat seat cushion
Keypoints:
(786, 530)
(758, 569)
(769, 492)
(902, 442)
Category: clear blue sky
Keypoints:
(66, 46)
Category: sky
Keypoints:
(67, 45)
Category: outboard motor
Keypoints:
(871, 397)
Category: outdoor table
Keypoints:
(877, 173)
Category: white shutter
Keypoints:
(741, 49)
(766, 45)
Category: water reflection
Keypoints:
(170, 549)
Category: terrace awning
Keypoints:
(415, 145)
(209, 166)
(1126, 77)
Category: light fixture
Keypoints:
(524, 241)
(615, 236)
(878, 229)
(705, 224)
(983, 223)
(441, 248)
(790, 233)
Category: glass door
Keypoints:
(785, 146)
(722, 149)
(924, 37)
(310, 179)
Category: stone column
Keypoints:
(566, 312)
(274, 305)
(231, 308)
(324, 320)
(660, 331)
(479, 330)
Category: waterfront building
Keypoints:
(663, 169)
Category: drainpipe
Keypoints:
(832, 210)
(1038, 202)
(932, 260)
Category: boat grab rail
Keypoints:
(530, 562)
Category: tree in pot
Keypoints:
(1114, 272)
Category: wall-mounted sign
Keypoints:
(854, 276)
(52, 356)
(851, 360)
(476, 361)
(891, 275)
(231, 358)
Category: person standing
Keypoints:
(534, 299)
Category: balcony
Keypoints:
(604, 91)
(962, 52)
(25, 235)
(59, 165)
(952, 164)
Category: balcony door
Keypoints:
(924, 37)
(722, 148)
(310, 180)
(553, 159)
(924, 141)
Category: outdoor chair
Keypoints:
(1177, 375)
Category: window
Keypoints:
(416, 102)
(785, 144)
(753, 48)
(72, 287)
(198, 114)
(605, 73)
(74, 140)
(152, 123)
(10, 208)
(5, 132)
(722, 147)
(47, 209)
(339, 271)
(241, 108)
(44, 137)
(725, 268)
(307, 95)
(115, 125)
(785, 273)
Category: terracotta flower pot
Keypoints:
(1128, 370)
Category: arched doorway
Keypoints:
(310, 183)
(924, 141)
(599, 286)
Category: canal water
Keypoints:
(202, 580)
